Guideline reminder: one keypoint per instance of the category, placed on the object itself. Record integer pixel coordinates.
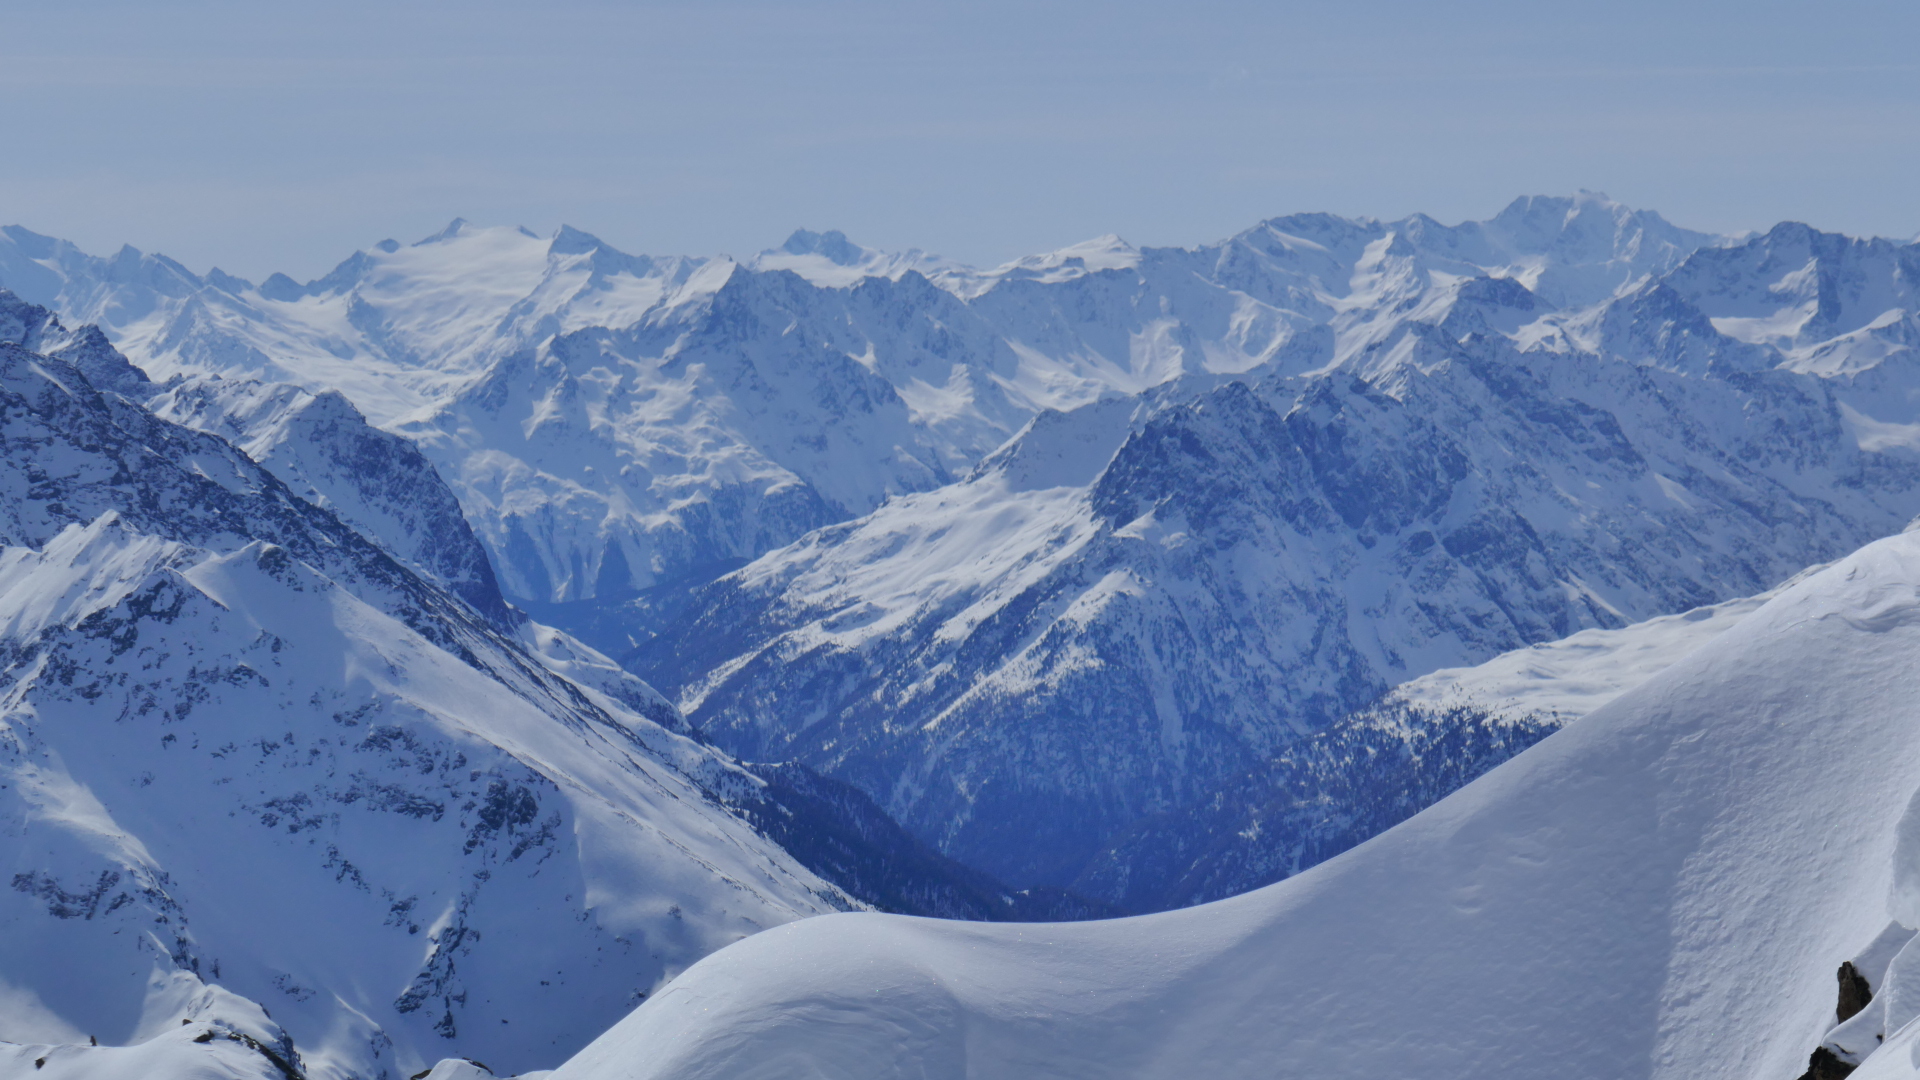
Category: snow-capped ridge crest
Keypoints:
(831, 245)
(455, 229)
(571, 241)
(829, 260)
(1102, 253)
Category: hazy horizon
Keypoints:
(265, 140)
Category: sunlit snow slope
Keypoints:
(1663, 889)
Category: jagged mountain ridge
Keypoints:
(614, 423)
(672, 424)
(1472, 472)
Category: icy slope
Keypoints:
(1663, 889)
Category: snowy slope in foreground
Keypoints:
(1663, 889)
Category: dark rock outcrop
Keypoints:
(1824, 1065)
(1854, 992)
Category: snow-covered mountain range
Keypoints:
(329, 802)
(1131, 601)
(1154, 575)
(614, 423)
(1043, 551)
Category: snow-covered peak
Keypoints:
(1797, 287)
(831, 245)
(832, 261)
(1108, 252)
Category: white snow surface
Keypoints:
(1663, 889)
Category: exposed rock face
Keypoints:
(1855, 994)
(1823, 1065)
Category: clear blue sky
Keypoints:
(266, 135)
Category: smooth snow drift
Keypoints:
(1663, 889)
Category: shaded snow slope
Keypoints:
(212, 757)
(1662, 889)
(1370, 770)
